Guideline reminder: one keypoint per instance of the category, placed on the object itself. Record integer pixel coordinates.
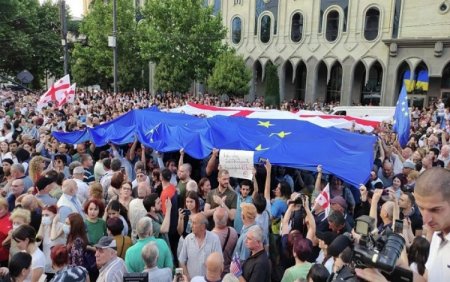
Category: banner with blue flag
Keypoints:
(290, 143)
(401, 118)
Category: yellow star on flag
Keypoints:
(266, 124)
(281, 134)
(260, 148)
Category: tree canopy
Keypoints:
(30, 39)
(93, 59)
(230, 75)
(184, 37)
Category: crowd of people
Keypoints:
(79, 212)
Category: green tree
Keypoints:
(30, 38)
(92, 61)
(230, 75)
(183, 35)
(272, 86)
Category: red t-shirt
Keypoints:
(167, 193)
(5, 227)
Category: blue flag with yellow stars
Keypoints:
(401, 118)
(290, 143)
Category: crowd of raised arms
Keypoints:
(79, 212)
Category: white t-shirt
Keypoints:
(37, 261)
(438, 264)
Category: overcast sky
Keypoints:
(76, 6)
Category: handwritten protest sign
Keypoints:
(239, 163)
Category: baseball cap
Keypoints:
(106, 242)
(409, 164)
(340, 201)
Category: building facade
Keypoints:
(347, 51)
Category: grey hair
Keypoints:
(188, 167)
(257, 233)
(18, 167)
(144, 227)
(150, 254)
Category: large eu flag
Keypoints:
(290, 143)
(401, 118)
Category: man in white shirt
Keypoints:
(83, 188)
(111, 267)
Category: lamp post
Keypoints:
(64, 33)
(115, 44)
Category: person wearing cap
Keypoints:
(111, 267)
(408, 166)
(44, 185)
(83, 188)
(339, 204)
(248, 215)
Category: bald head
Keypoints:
(220, 217)
(143, 189)
(214, 265)
(29, 202)
(432, 181)
(69, 187)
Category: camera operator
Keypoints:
(341, 250)
(432, 194)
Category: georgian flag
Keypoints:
(69, 95)
(316, 117)
(55, 92)
(323, 200)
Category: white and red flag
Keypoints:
(69, 95)
(316, 117)
(56, 92)
(323, 200)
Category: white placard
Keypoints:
(239, 163)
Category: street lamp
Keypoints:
(112, 41)
(64, 32)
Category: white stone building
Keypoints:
(351, 51)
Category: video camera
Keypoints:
(381, 252)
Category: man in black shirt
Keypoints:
(257, 267)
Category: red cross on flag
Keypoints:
(69, 95)
(56, 92)
(323, 200)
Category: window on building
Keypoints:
(371, 24)
(236, 30)
(332, 26)
(396, 25)
(265, 26)
(297, 27)
(335, 84)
